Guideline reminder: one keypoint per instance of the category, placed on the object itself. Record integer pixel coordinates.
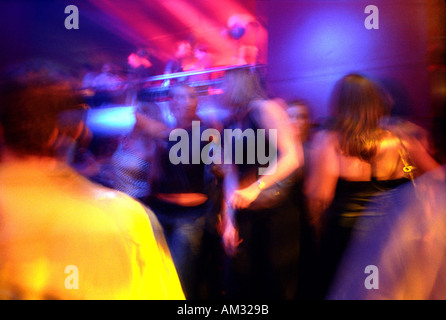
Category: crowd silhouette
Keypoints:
(119, 206)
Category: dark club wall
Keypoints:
(314, 43)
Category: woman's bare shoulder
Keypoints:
(389, 141)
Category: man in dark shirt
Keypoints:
(180, 194)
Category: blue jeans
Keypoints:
(183, 228)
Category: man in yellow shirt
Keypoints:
(62, 236)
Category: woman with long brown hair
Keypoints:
(355, 159)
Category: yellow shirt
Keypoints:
(64, 237)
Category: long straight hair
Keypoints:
(242, 87)
(358, 106)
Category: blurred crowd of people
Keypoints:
(139, 226)
(105, 83)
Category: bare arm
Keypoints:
(322, 176)
(229, 228)
(415, 140)
(290, 152)
(272, 116)
(421, 157)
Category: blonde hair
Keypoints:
(243, 86)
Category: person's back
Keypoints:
(386, 165)
(64, 237)
(334, 175)
(358, 146)
(355, 161)
(352, 183)
(61, 236)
